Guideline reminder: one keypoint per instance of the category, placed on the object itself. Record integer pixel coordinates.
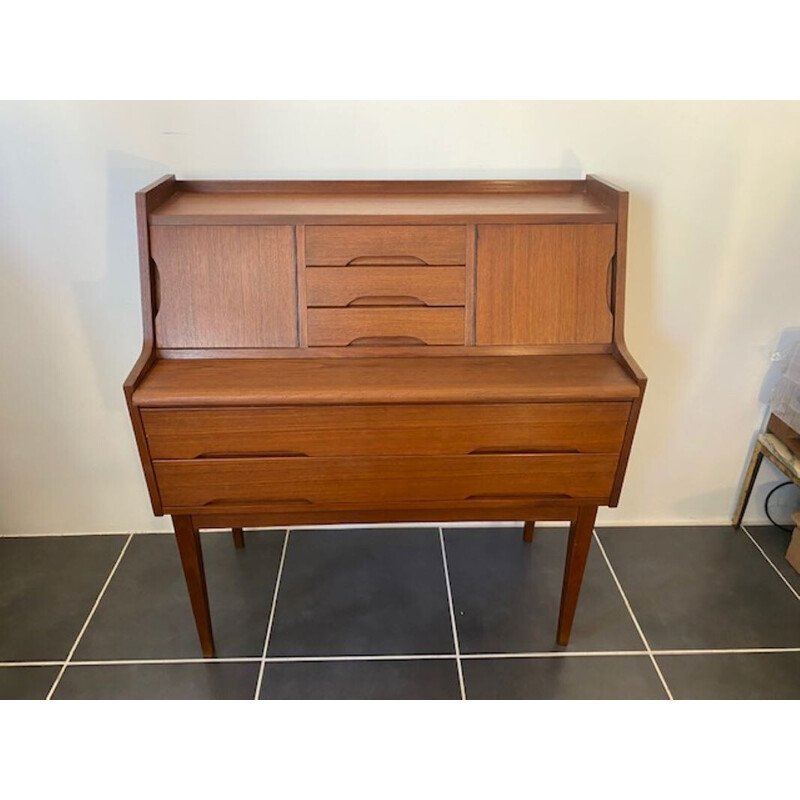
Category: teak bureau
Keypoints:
(344, 352)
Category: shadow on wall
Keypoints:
(110, 307)
(640, 316)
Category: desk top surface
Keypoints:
(363, 204)
(353, 381)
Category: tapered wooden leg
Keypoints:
(749, 482)
(580, 539)
(527, 531)
(238, 538)
(188, 539)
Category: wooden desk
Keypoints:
(344, 352)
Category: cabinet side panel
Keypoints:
(225, 286)
(544, 284)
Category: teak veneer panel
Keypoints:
(380, 480)
(340, 327)
(339, 245)
(430, 286)
(386, 430)
(381, 203)
(544, 284)
(225, 286)
(324, 381)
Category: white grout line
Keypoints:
(769, 561)
(405, 657)
(452, 617)
(271, 615)
(633, 616)
(88, 618)
(732, 651)
(122, 662)
(168, 532)
(73, 534)
(556, 654)
(400, 657)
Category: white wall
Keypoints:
(714, 267)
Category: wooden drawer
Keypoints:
(331, 327)
(375, 481)
(400, 430)
(338, 245)
(384, 286)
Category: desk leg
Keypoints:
(580, 539)
(238, 538)
(749, 482)
(527, 531)
(188, 538)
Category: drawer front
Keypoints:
(297, 483)
(386, 430)
(332, 327)
(338, 245)
(383, 286)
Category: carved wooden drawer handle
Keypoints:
(156, 283)
(521, 451)
(386, 300)
(259, 501)
(519, 496)
(386, 341)
(385, 261)
(264, 454)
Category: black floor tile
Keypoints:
(435, 679)
(774, 542)
(702, 588)
(733, 676)
(507, 593)
(565, 678)
(209, 681)
(26, 683)
(362, 592)
(47, 588)
(145, 612)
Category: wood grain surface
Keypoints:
(386, 430)
(430, 286)
(340, 245)
(295, 483)
(544, 284)
(332, 327)
(225, 286)
(348, 381)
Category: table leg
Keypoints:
(238, 538)
(580, 539)
(527, 531)
(188, 538)
(749, 482)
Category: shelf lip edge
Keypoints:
(595, 218)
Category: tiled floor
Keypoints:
(413, 612)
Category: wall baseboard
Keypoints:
(680, 523)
